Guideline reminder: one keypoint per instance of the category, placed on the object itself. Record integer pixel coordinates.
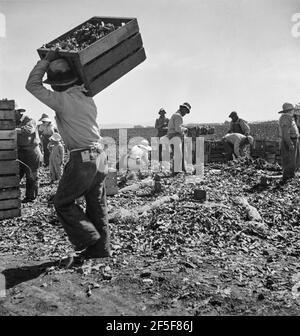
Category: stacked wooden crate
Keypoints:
(109, 58)
(266, 149)
(9, 170)
(215, 151)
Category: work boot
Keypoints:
(96, 251)
(27, 200)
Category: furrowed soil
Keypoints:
(181, 258)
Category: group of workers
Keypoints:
(238, 137)
(37, 145)
(87, 167)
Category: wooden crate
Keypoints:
(9, 168)
(107, 59)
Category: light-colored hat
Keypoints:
(287, 107)
(46, 120)
(145, 144)
(55, 137)
(250, 139)
(187, 106)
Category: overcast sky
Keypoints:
(218, 55)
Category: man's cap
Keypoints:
(59, 73)
(187, 106)
(287, 107)
(55, 137)
(233, 114)
(162, 111)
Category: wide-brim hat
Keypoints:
(187, 106)
(287, 107)
(21, 110)
(250, 139)
(55, 137)
(44, 115)
(60, 73)
(46, 120)
(145, 145)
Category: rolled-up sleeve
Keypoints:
(35, 86)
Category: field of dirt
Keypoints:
(183, 258)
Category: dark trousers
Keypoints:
(290, 159)
(45, 142)
(32, 158)
(83, 228)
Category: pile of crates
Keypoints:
(10, 205)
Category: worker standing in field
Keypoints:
(161, 123)
(235, 143)
(177, 131)
(289, 145)
(85, 172)
(46, 130)
(56, 158)
(29, 153)
(238, 125)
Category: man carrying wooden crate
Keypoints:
(29, 153)
(85, 172)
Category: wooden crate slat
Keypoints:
(9, 167)
(8, 144)
(109, 41)
(7, 104)
(117, 72)
(6, 214)
(8, 134)
(7, 124)
(7, 115)
(7, 155)
(9, 181)
(6, 194)
(10, 204)
(114, 56)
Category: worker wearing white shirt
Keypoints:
(138, 156)
(237, 141)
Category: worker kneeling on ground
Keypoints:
(85, 172)
(235, 143)
(138, 157)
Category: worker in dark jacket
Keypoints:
(161, 123)
(29, 153)
(238, 125)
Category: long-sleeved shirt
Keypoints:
(46, 129)
(27, 135)
(76, 113)
(237, 140)
(175, 125)
(239, 126)
(287, 127)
